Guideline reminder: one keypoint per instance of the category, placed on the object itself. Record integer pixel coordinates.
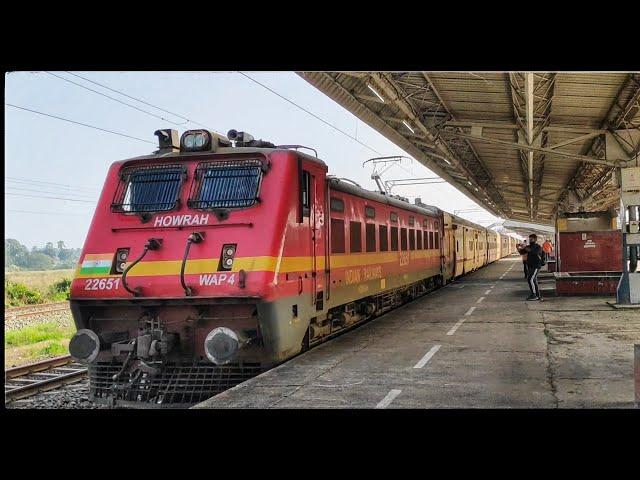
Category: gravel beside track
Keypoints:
(20, 317)
(74, 396)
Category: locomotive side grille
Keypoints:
(148, 189)
(178, 384)
(226, 184)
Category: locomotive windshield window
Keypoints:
(148, 189)
(226, 184)
(355, 230)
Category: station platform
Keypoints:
(475, 343)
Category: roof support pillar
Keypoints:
(528, 93)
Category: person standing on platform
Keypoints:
(535, 260)
(547, 248)
(524, 257)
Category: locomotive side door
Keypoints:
(312, 193)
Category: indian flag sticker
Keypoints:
(96, 263)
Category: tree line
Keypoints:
(50, 257)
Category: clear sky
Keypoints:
(45, 157)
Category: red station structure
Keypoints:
(589, 254)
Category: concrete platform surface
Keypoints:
(473, 344)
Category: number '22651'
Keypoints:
(102, 284)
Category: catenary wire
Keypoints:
(142, 101)
(309, 112)
(79, 123)
(115, 99)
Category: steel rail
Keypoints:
(37, 385)
(35, 305)
(35, 312)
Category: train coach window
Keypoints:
(370, 237)
(369, 212)
(383, 233)
(337, 235)
(394, 239)
(336, 204)
(412, 239)
(226, 184)
(418, 239)
(393, 217)
(355, 235)
(403, 239)
(437, 241)
(148, 189)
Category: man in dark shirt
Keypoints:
(534, 262)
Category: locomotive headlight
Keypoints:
(194, 140)
(121, 260)
(84, 346)
(221, 345)
(228, 254)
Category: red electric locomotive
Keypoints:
(208, 262)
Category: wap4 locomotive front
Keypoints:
(187, 281)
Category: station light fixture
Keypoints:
(375, 92)
(408, 126)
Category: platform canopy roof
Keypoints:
(524, 145)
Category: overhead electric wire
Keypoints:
(310, 113)
(47, 213)
(141, 101)
(53, 198)
(115, 99)
(38, 183)
(79, 194)
(80, 123)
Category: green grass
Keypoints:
(55, 349)
(37, 333)
(17, 294)
(39, 280)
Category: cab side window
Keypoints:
(305, 193)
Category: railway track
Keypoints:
(27, 380)
(31, 310)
